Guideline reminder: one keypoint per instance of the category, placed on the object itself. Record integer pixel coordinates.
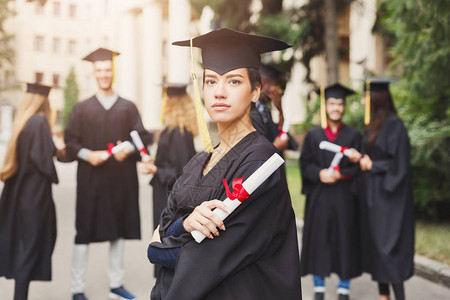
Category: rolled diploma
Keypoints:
(335, 162)
(250, 185)
(139, 144)
(324, 145)
(120, 147)
(286, 126)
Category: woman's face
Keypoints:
(228, 97)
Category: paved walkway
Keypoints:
(139, 272)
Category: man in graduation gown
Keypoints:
(330, 235)
(107, 185)
(272, 90)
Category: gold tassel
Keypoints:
(163, 104)
(323, 113)
(367, 108)
(206, 139)
(53, 115)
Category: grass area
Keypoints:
(295, 187)
(432, 239)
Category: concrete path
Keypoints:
(139, 272)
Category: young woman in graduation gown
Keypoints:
(27, 211)
(175, 145)
(386, 194)
(253, 254)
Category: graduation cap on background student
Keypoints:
(171, 90)
(36, 88)
(374, 84)
(102, 54)
(337, 91)
(224, 50)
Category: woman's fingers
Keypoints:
(204, 220)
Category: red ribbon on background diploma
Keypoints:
(239, 191)
(343, 149)
(109, 150)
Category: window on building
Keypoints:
(56, 45)
(39, 8)
(56, 80)
(72, 11)
(72, 47)
(39, 43)
(38, 77)
(56, 9)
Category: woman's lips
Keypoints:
(220, 106)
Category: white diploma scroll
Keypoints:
(250, 185)
(139, 144)
(286, 126)
(324, 145)
(335, 162)
(118, 148)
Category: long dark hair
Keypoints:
(381, 106)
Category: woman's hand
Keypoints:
(365, 163)
(155, 236)
(204, 220)
(147, 166)
(329, 178)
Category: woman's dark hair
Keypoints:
(253, 76)
(381, 106)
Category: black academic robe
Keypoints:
(107, 195)
(387, 205)
(27, 211)
(175, 149)
(256, 257)
(331, 228)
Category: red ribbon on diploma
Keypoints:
(143, 151)
(343, 149)
(239, 191)
(336, 168)
(109, 150)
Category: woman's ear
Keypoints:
(256, 93)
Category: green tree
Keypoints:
(70, 96)
(420, 30)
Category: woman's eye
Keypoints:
(235, 81)
(210, 81)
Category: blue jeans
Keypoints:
(319, 282)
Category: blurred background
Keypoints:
(333, 40)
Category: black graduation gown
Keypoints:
(331, 228)
(175, 149)
(27, 211)
(107, 195)
(256, 257)
(387, 205)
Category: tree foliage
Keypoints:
(420, 30)
(70, 96)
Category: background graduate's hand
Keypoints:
(60, 146)
(121, 155)
(365, 163)
(204, 220)
(156, 237)
(355, 157)
(96, 158)
(280, 144)
(326, 177)
(147, 167)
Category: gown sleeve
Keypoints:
(349, 169)
(43, 149)
(397, 165)
(72, 135)
(250, 230)
(308, 165)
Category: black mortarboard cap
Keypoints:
(224, 49)
(40, 89)
(175, 89)
(271, 72)
(378, 83)
(337, 91)
(101, 54)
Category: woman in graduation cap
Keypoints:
(253, 254)
(175, 145)
(386, 192)
(27, 211)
